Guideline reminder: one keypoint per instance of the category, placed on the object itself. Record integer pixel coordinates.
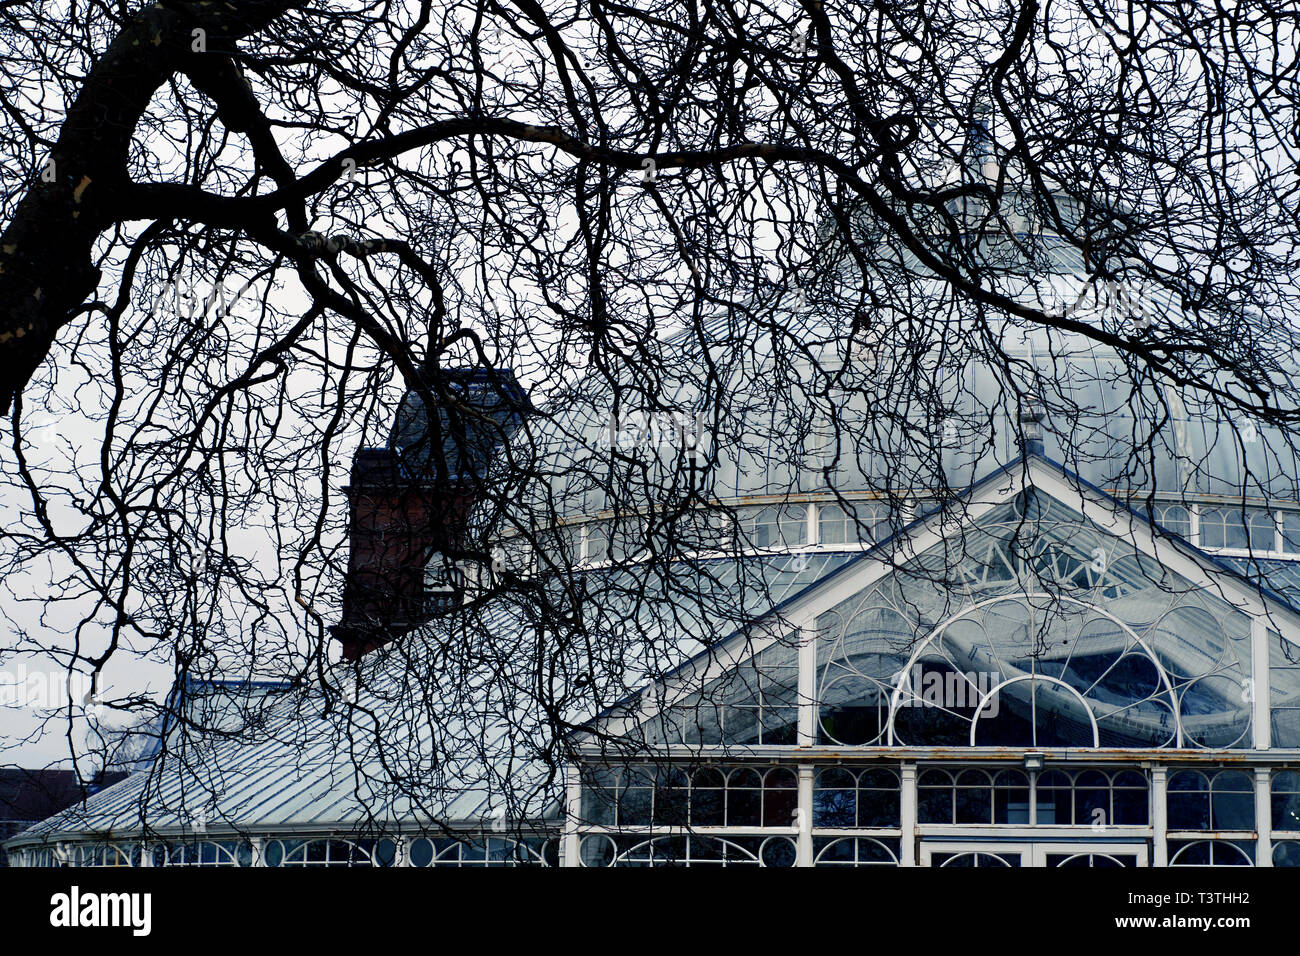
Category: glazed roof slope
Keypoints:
(308, 768)
(1100, 425)
(305, 769)
(1104, 417)
(301, 768)
(1282, 578)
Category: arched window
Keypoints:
(1099, 682)
(635, 797)
(696, 850)
(517, 555)
(1261, 528)
(843, 799)
(934, 797)
(1211, 853)
(1291, 532)
(860, 649)
(779, 526)
(1220, 529)
(832, 525)
(627, 537)
(878, 798)
(204, 853)
(1092, 797)
(835, 798)
(1010, 797)
(1130, 799)
(866, 521)
(780, 797)
(972, 796)
(597, 541)
(976, 859)
(671, 797)
(644, 795)
(1174, 518)
(492, 851)
(708, 798)
(107, 854)
(1286, 800)
(1096, 861)
(327, 853)
(739, 797)
(1229, 527)
(855, 851)
(1189, 801)
(744, 798)
(1222, 801)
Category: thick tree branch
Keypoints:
(45, 253)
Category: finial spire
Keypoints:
(980, 159)
(1031, 429)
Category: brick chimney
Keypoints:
(410, 501)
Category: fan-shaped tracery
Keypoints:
(1115, 653)
(992, 676)
(1011, 671)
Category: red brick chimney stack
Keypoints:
(410, 501)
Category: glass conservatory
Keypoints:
(1055, 664)
(1079, 687)
(1103, 695)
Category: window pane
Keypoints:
(1284, 691)
(1054, 798)
(1234, 801)
(1189, 801)
(634, 805)
(1130, 807)
(1286, 801)
(1260, 526)
(765, 530)
(974, 805)
(835, 799)
(1286, 853)
(830, 521)
(1213, 534)
(878, 799)
(794, 525)
(1291, 531)
(1174, 518)
(780, 798)
(934, 805)
(597, 542)
(1010, 805)
(744, 799)
(1223, 528)
(708, 807)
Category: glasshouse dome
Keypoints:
(817, 434)
(1043, 613)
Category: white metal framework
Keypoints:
(1092, 695)
(1087, 692)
